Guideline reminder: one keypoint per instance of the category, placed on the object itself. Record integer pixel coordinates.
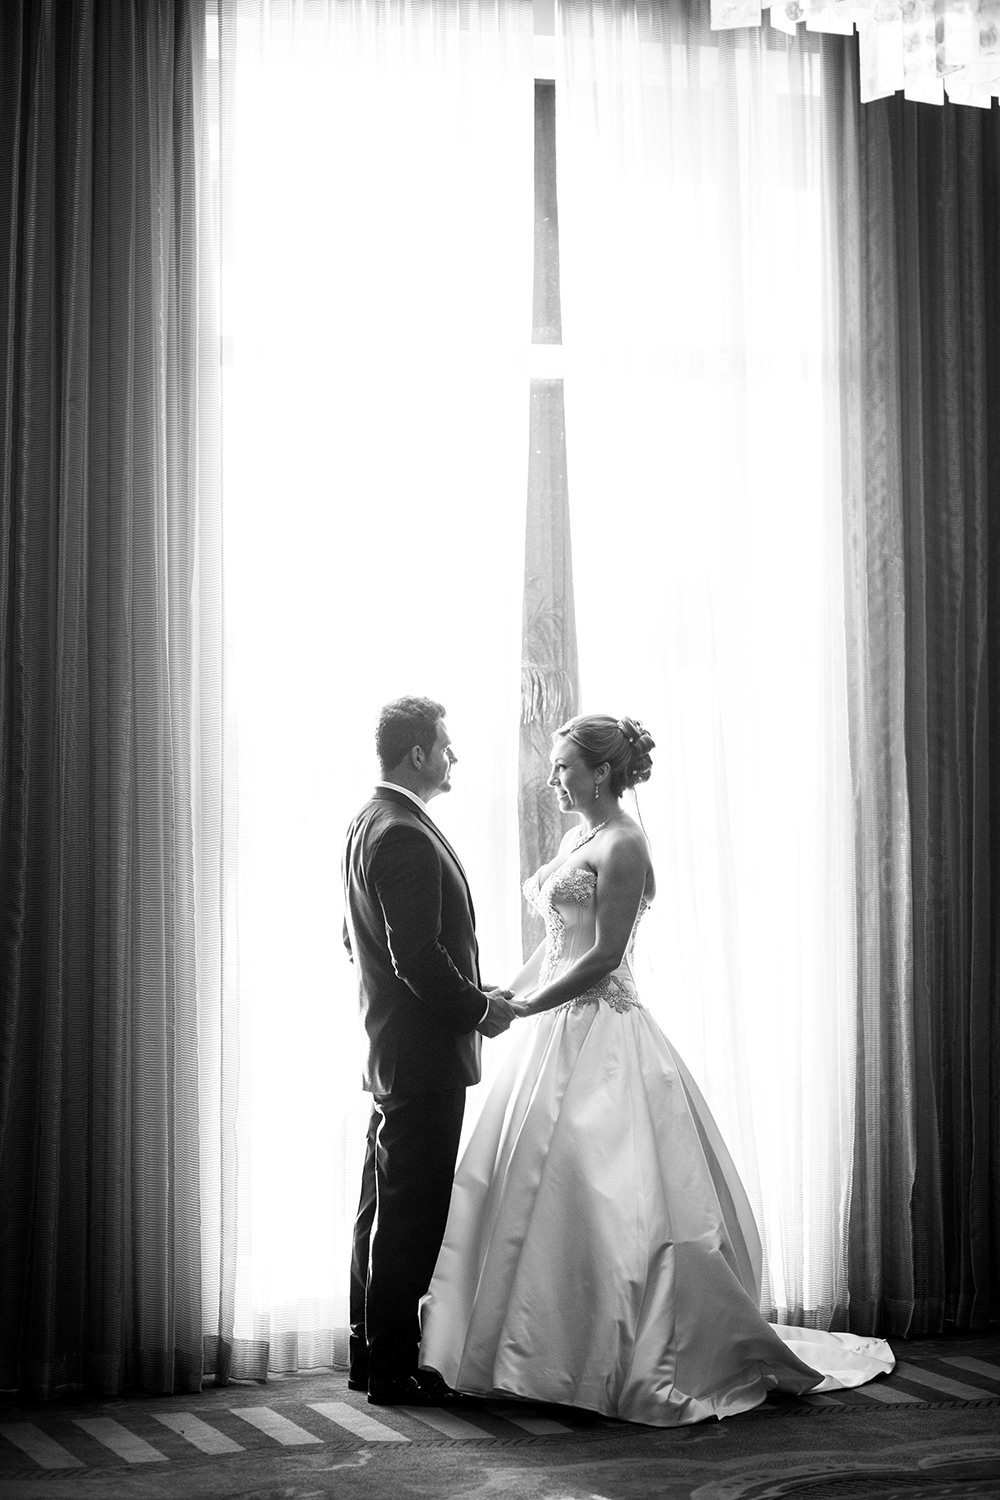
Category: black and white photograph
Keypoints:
(499, 749)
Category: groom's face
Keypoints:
(437, 766)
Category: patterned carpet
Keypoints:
(930, 1430)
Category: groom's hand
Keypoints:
(499, 1015)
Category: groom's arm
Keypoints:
(406, 873)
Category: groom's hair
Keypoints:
(403, 723)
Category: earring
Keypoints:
(597, 791)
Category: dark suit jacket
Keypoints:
(411, 932)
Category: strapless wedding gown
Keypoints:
(600, 1250)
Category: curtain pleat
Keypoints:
(549, 667)
(701, 428)
(919, 189)
(884, 1150)
(108, 632)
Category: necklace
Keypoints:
(587, 837)
(590, 834)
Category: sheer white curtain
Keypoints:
(375, 172)
(701, 418)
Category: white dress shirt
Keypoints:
(391, 786)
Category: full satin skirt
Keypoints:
(601, 1251)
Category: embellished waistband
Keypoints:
(612, 991)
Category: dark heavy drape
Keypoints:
(108, 753)
(920, 225)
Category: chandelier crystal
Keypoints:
(928, 49)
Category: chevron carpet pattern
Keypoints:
(261, 1441)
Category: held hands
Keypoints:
(500, 1014)
(522, 1008)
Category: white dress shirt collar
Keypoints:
(391, 786)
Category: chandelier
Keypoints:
(929, 49)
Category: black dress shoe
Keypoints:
(401, 1390)
(357, 1382)
(443, 1394)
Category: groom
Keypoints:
(410, 930)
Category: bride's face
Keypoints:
(572, 778)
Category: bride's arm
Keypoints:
(621, 878)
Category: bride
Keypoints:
(601, 1251)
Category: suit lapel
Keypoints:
(429, 823)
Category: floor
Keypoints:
(930, 1430)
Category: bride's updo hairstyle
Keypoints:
(624, 744)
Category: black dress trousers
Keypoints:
(406, 1183)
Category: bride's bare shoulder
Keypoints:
(626, 834)
(627, 846)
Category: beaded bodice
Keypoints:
(565, 902)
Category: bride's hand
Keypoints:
(521, 1006)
